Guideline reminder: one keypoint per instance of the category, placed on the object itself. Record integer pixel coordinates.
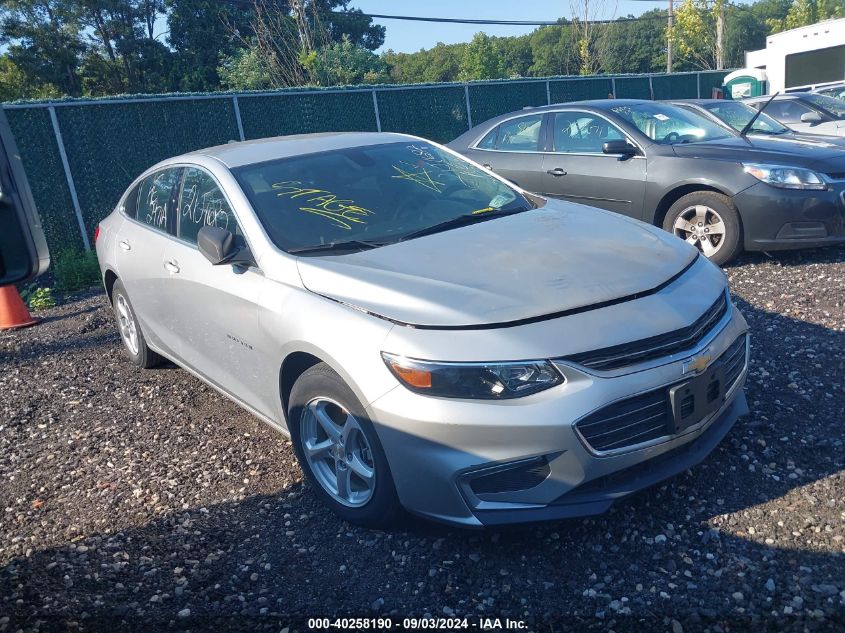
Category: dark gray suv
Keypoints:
(674, 168)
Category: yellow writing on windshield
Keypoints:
(342, 212)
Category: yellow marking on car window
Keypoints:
(484, 210)
(341, 211)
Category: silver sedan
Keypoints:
(430, 336)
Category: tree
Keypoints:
(16, 84)
(697, 32)
(553, 50)
(44, 41)
(245, 70)
(480, 60)
(590, 37)
(201, 32)
(636, 46)
(806, 12)
(344, 63)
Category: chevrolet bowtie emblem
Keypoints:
(697, 364)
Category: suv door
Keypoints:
(150, 213)
(577, 169)
(512, 150)
(216, 309)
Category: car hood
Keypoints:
(757, 148)
(546, 261)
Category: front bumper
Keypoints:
(781, 219)
(435, 445)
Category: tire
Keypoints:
(321, 401)
(129, 329)
(695, 218)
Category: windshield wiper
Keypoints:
(337, 246)
(461, 220)
(757, 114)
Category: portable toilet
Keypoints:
(745, 82)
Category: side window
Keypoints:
(489, 141)
(155, 200)
(520, 135)
(786, 111)
(583, 133)
(201, 203)
(130, 203)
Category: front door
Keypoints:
(217, 308)
(576, 169)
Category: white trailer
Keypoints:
(804, 57)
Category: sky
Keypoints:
(408, 37)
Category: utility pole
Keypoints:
(720, 35)
(669, 37)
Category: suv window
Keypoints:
(156, 199)
(583, 132)
(202, 203)
(520, 135)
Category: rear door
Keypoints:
(577, 169)
(513, 150)
(216, 308)
(150, 209)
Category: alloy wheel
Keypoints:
(337, 451)
(702, 227)
(126, 323)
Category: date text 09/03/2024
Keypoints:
(436, 624)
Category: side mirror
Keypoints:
(23, 247)
(619, 147)
(217, 245)
(811, 117)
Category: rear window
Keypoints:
(376, 192)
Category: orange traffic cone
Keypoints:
(13, 312)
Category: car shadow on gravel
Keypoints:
(750, 538)
(826, 255)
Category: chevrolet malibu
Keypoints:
(429, 336)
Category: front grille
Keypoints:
(619, 356)
(648, 416)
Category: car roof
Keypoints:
(782, 97)
(236, 154)
(700, 101)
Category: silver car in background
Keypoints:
(429, 335)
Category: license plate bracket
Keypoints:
(695, 399)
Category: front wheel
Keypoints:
(710, 222)
(130, 331)
(339, 450)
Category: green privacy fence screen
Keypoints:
(80, 155)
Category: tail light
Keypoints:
(96, 233)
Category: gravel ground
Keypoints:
(143, 500)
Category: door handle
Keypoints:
(124, 245)
(556, 172)
(488, 166)
(171, 266)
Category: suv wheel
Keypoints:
(709, 221)
(339, 450)
(130, 331)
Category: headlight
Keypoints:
(477, 381)
(785, 177)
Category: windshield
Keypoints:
(834, 107)
(737, 115)
(667, 124)
(374, 193)
(837, 92)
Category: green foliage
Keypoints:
(16, 84)
(244, 70)
(480, 60)
(38, 298)
(345, 63)
(806, 12)
(75, 270)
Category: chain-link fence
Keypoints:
(81, 154)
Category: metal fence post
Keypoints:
(698, 84)
(469, 109)
(238, 117)
(650, 88)
(613, 86)
(548, 93)
(73, 197)
(375, 109)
